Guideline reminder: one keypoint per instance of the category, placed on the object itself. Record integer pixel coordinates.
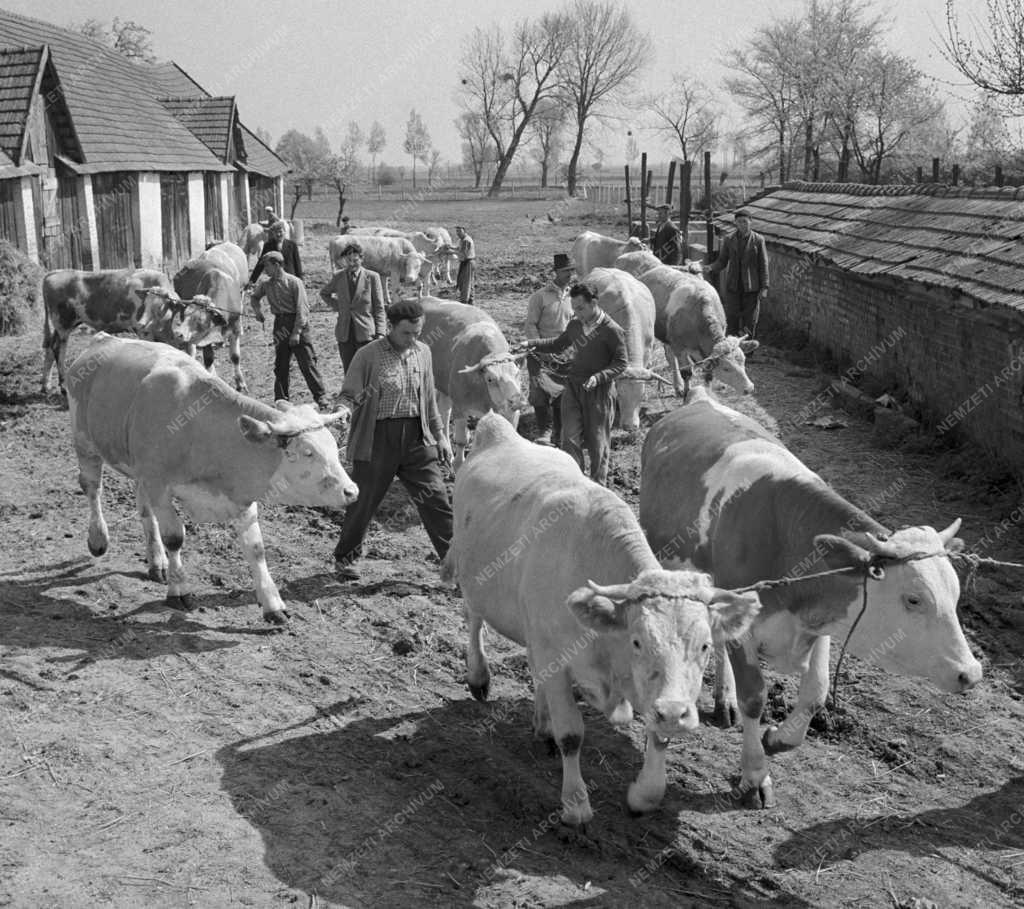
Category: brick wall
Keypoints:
(960, 361)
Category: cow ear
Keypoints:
(956, 544)
(284, 405)
(839, 552)
(595, 611)
(254, 430)
(732, 613)
(748, 346)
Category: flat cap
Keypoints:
(273, 256)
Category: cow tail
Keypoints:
(47, 334)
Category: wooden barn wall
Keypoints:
(114, 197)
(237, 210)
(9, 197)
(70, 248)
(212, 207)
(262, 192)
(961, 363)
(177, 246)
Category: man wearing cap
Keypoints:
(588, 401)
(466, 251)
(356, 295)
(286, 295)
(288, 249)
(270, 216)
(548, 311)
(667, 243)
(346, 225)
(744, 258)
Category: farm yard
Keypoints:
(160, 758)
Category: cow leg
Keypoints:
(567, 727)
(234, 346)
(478, 675)
(755, 782)
(90, 479)
(49, 355)
(208, 354)
(813, 689)
(673, 362)
(251, 540)
(646, 793)
(172, 534)
(726, 710)
(60, 356)
(156, 557)
(541, 711)
(460, 439)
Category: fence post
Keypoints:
(707, 200)
(920, 175)
(999, 175)
(935, 170)
(956, 174)
(643, 195)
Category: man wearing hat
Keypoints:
(466, 251)
(288, 249)
(744, 259)
(548, 311)
(667, 243)
(286, 295)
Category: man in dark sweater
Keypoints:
(288, 249)
(588, 402)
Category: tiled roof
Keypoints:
(119, 121)
(19, 79)
(958, 238)
(210, 119)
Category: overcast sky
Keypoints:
(310, 63)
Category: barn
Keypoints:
(107, 163)
(918, 287)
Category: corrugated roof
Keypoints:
(20, 72)
(210, 119)
(959, 238)
(119, 121)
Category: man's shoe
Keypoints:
(543, 439)
(343, 571)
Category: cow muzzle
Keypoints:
(670, 718)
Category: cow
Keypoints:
(253, 236)
(690, 323)
(592, 250)
(390, 257)
(230, 259)
(631, 305)
(718, 492)
(214, 312)
(432, 248)
(474, 372)
(111, 301)
(447, 251)
(153, 414)
(531, 533)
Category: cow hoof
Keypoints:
(276, 617)
(480, 692)
(97, 549)
(184, 602)
(157, 574)
(726, 715)
(759, 797)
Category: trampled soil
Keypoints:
(156, 758)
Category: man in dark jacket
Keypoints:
(289, 251)
(667, 242)
(588, 401)
(744, 259)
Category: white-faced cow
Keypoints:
(110, 301)
(391, 257)
(431, 248)
(153, 414)
(690, 322)
(592, 250)
(446, 252)
(531, 537)
(474, 372)
(720, 493)
(253, 236)
(631, 305)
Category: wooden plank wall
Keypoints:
(174, 215)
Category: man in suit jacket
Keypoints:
(287, 248)
(667, 241)
(744, 258)
(356, 295)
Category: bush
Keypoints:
(386, 175)
(20, 280)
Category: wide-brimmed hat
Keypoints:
(561, 262)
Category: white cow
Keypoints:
(444, 239)
(531, 537)
(253, 236)
(592, 250)
(153, 414)
(438, 255)
(391, 257)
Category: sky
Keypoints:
(309, 63)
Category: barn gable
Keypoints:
(211, 120)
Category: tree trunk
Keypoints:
(808, 149)
(341, 207)
(544, 174)
(782, 156)
(574, 163)
(413, 171)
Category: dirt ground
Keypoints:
(157, 758)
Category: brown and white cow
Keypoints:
(391, 257)
(474, 372)
(593, 250)
(690, 322)
(722, 494)
(109, 300)
(532, 535)
(153, 414)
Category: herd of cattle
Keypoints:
(628, 609)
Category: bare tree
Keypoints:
(433, 162)
(341, 171)
(689, 114)
(504, 85)
(306, 158)
(417, 141)
(546, 127)
(124, 35)
(991, 57)
(375, 145)
(606, 52)
(477, 147)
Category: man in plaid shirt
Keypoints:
(396, 431)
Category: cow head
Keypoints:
(410, 267)
(309, 472)
(910, 625)
(202, 323)
(158, 314)
(727, 362)
(500, 374)
(668, 621)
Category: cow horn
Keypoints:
(947, 535)
(868, 541)
(340, 416)
(475, 368)
(613, 591)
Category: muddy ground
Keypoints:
(150, 757)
